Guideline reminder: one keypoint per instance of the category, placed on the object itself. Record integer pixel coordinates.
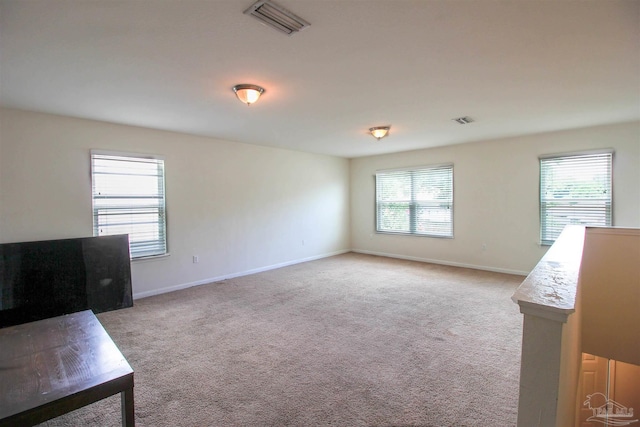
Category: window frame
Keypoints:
(414, 203)
(162, 248)
(546, 238)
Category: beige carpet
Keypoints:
(351, 340)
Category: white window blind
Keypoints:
(129, 198)
(574, 189)
(415, 201)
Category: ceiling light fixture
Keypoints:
(379, 132)
(248, 93)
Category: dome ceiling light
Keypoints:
(379, 132)
(248, 93)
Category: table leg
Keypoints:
(127, 408)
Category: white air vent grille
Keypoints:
(277, 17)
(463, 120)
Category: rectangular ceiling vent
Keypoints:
(463, 120)
(277, 17)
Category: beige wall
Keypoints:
(239, 207)
(610, 287)
(496, 186)
(242, 208)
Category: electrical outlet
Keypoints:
(484, 247)
(196, 259)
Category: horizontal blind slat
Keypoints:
(128, 197)
(574, 189)
(415, 201)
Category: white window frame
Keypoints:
(428, 226)
(558, 208)
(122, 207)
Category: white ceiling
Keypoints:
(515, 66)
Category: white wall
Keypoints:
(239, 207)
(610, 286)
(243, 208)
(496, 186)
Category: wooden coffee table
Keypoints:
(54, 366)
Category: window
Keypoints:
(128, 198)
(574, 189)
(415, 201)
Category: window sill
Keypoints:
(151, 258)
(399, 233)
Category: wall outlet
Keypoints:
(196, 259)
(484, 247)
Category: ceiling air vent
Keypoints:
(463, 120)
(277, 17)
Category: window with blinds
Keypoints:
(415, 201)
(574, 189)
(129, 198)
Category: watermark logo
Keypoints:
(608, 412)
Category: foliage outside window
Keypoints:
(129, 198)
(574, 189)
(415, 201)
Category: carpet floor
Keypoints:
(350, 340)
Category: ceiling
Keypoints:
(516, 67)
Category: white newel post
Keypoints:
(551, 335)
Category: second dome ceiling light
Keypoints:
(249, 94)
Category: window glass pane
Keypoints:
(394, 217)
(574, 189)
(395, 186)
(433, 184)
(128, 198)
(416, 201)
(434, 220)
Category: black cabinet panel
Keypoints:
(49, 278)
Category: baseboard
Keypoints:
(442, 262)
(313, 258)
(234, 275)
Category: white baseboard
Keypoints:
(441, 262)
(233, 275)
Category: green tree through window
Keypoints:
(415, 201)
(574, 189)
